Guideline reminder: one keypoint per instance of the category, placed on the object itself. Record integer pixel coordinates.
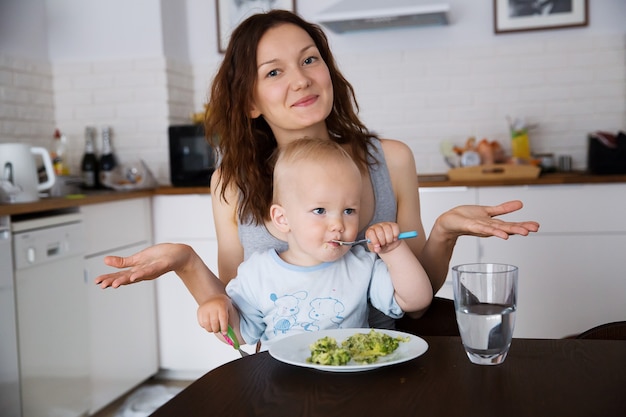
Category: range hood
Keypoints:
(353, 15)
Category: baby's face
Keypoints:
(323, 205)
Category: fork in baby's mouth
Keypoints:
(403, 235)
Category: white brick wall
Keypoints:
(139, 99)
(426, 96)
(422, 97)
(568, 87)
(26, 98)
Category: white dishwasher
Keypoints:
(10, 404)
(52, 314)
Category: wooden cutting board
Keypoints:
(494, 172)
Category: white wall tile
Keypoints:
(440, 94)
(569, 86)
(26, 94)
(137, 98)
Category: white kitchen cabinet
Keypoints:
(123, 328)
(569, 271)
(117, 224)
(434, 201)
(187, 351)
(571, 276)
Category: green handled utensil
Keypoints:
(232, 340)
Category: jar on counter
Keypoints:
(546, 162)
(565, 163)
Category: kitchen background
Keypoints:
(142, 65)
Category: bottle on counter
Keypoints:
(107, 158)
(520, 145)
(58, 153)
(89, 164)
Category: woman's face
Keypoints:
(293, 91)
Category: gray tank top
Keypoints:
(257, 238)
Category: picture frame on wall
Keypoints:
(232, 12)
(524, 15)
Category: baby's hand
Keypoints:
(213, 314)
(383, 237)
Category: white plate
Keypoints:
(296, 349)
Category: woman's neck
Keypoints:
(316, 131)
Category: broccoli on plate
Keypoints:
(363, 348)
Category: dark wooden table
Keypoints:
(540, 377)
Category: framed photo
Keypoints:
(232, 12)
(522, 15)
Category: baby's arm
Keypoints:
(412, 289)
(215, 314)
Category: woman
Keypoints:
(279, 82)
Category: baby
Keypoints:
(317, 283)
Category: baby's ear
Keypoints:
(279, 218)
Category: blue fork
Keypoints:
(403, 235)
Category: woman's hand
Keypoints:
(147, 264)
(480, 221)
(470, 220)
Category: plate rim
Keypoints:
(422, 348)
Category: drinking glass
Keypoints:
(485, 300)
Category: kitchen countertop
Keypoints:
(556, 178)
(72, 200)
(94, 197)
(428, 180)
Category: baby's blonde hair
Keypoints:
(289, 159)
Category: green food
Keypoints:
(325, 351)
(361, 347)
(367, 348)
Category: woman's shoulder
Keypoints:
(216, 180)
(230, 193)
(394, 145)
(397, 153)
